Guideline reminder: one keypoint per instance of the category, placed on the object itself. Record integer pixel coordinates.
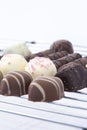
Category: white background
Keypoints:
(44, 20)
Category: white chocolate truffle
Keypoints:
(20, 48)
(12, 62)
(40, 66)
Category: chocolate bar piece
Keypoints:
(57, 55)
(66, 59)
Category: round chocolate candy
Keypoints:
(46, 89)
(15, 83)
(62, 45)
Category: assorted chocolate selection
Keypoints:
(41, 82)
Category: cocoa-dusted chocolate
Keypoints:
(57, 55)
(73, 75)
(46, 89)
(15, 83)
(62, 45)
(66, 59)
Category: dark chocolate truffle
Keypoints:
(46, 89)
(66, 59)
(62, 45)
(73, 75)
(15, 83)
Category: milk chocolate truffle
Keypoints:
(46, 89)
(62, 45)
(73, 75)
(15, 83)
(66, 59)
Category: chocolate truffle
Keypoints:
(20, 48)
(73, 75)
(12, 62)
(46, 89)
(62, 45)
(66, 59)
(41, 66)
(15, 83)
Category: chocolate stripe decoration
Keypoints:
(22, 79)
(40, 89)
(8, 86)
(17, 82)
(55, 84)
(52, 81)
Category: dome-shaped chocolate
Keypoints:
(62, 45)
(15, 83)
(46, 89)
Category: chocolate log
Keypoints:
(66, 59)
(57, 55)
